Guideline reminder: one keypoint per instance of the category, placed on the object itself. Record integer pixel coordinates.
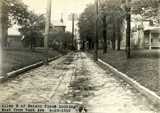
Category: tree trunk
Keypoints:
(92, 45)
(128, 19)
(119, 43)
(114, 37)
(113, 44)
(104, 35)
(83, 44)
(113, 33)
(119, 38)
(89, 44)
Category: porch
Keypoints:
(152, 37)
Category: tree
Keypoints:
(116, 16)
(16, 12)
(87, 25)
(60, 40)
(110, 13)
(149, 9)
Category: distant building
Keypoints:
(14, 39)
(60, 26)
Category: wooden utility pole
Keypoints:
(96, 44)
(47, 26)
(1, 23)
(1, 37)
(128, 31)
(4, 23)
(3, 32)
(73, 19)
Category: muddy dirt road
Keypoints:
(76, 78)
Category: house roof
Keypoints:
(152, 29)
(14, 30)
(59, 26)
(59, 23)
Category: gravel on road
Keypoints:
(76, 78)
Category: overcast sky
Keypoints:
(59, 7)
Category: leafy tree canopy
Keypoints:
(149, 9)
(113, 13)
(18, 13)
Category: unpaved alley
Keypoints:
(76, 78)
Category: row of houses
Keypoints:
(144, 34)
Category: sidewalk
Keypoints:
(76, 78)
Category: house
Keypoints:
(143, 34)
(14, 38)
(152, 37)
(59, 26)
